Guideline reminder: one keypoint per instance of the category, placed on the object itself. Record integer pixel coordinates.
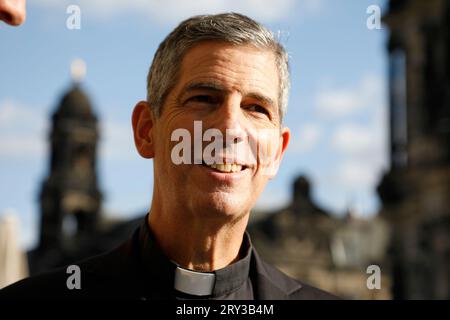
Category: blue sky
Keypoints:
(337, 108)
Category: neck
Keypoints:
(195, 242)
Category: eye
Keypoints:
(259, 109)
(202, 99)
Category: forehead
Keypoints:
(241, 67)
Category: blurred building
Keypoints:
(71, 226)
(416, 190)
(331, 253)
(13, 261)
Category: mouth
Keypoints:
(225, 167)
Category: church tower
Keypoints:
(416, 190)
(70, 198)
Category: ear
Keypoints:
(285, 137)
(143, 121)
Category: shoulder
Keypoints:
(42, 285)
(103, 276)
(274, 284)
(49, 285)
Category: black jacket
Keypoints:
(118, 274)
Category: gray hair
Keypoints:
(229, 27)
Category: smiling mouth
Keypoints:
(226, 167)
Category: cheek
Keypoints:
(268, 154)
(268, 146)
(163, 146)
(174, 145)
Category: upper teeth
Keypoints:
(227, 167)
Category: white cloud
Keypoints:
(364, 151)
(22, 130)
(354, 175)
(24, 133)
(354, 139)
(313, 6)
(354, 183)
(175, 10)
(338, 102)
(116, 141)
(306, 138)
(360, 143)
(13, 113)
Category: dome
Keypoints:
(75, 103)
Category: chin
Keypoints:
(225, 205)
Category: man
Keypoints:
(13, 11)
(215, 76)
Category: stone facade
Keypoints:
(331, 253)
(416, 190)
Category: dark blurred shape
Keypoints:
(397, 5)
(76, 105)
(302, 188)
(71, 226)
(416, 191)
(306, 242)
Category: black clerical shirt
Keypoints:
(231, 282)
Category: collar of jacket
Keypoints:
(270, 283)
(161, 270)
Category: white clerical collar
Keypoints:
(194, 282)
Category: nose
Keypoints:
(239, 142)
(12, 11)
(231, 121)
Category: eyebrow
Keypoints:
(214, 86)
(266, 100)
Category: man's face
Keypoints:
(12, 11)
(223, 87)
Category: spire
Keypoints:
(78, 70)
